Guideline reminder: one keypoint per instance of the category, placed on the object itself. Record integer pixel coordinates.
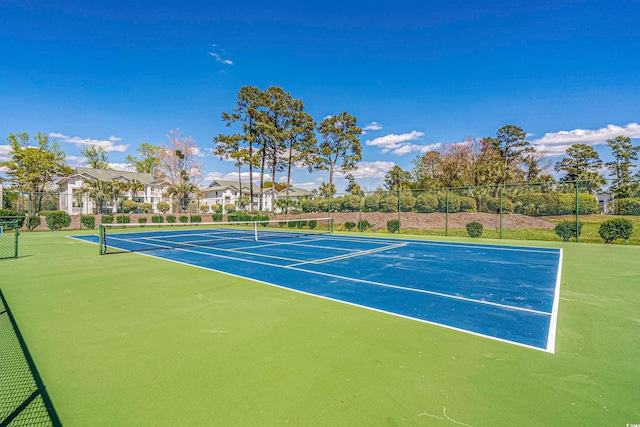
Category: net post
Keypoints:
(100, 238)
(331, 225)
(15, 240)
(255, 231)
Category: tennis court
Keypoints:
(500, 292)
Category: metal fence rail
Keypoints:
(23, 398)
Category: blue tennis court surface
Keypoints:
(506, 293)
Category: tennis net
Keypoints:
(117, 238)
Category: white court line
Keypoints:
(369, 282)
(553, 324)
(340, 237)
(351, 255)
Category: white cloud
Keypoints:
(371, 126)
(110, 144)
(4, 153)
(75, 161)
(375, 169)
(556, 143)
(125, 167)
(400, 144)
(220, 55)
(233, 176)
(306, 185)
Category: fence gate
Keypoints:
(8, 239)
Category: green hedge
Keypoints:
(618, 228)
(11, 215)
(57, 220)
(474, 229)
(627, 206)
(89, 221)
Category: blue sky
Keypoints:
(415, 73)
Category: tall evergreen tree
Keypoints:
(34, 165)
(96, 157)
(624, 153)
(340, 144)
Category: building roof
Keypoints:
(111, 175)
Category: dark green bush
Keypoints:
(57, 220)
(11, 215)
(195, 218)
(142, 220)
(292, 224)
(106, 219)
(627, 206)
(407, 202)
(123, 219)
(129, 206)
(302, 224)
(426, 202)
(454, 203)
(158, 219)
(216, 208)
(618, 228)
(372, 203)
(163, 207)
(350, 203)
(474, 229)
(44, 212)
(567, 230)
(393, 225)
(34, 222)
(492, 205)
(309, 205)
(363, 225)
(349, 225)
(312, 224)
(145, 207)
(89, 221)
(216, 217)
(467, 204)
(171, 219)
(184, 218)
(388, 203)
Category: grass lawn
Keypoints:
(132, 340)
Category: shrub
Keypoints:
(350, 203)
(627, 206)
(309, 205)
(474, 229)
(171, 219)
(349, 225)
(426, 202)
(363, 225)
(158, 219)
(292, 224)
(204, 208)
(123, 219)
(145, 207)
(216, 208)
(407, 202)
(467, 204)
(89, 221)
(195, 218)
(372, 203)
(230, 207)
(163, 207)
(618, 228)
(492, 205)
(313, 223)
(11, 215)
(393, 225)
(217, 217)
(454, 203)
(57, 220)
(44, 212)
(106, 219)
(142, 220)
(567, 230)
(389, 203)
(184, 218)
(129, 206)
(34, 222)
(302, 224)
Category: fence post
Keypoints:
(399, 195)
(29, 214)
(500, 192)
(446, 209)
(577, 210)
